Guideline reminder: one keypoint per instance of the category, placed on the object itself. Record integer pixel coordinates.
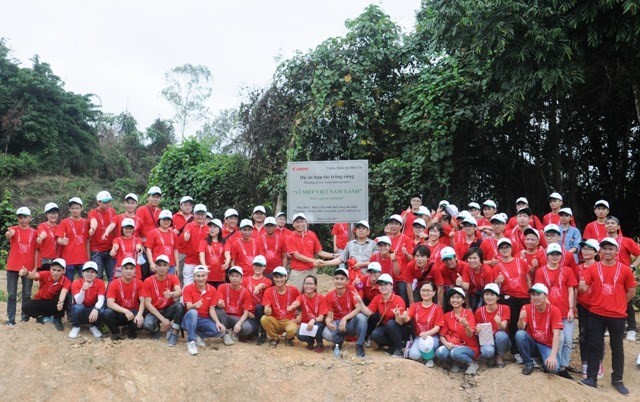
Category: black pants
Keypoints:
(515, 305)
(42, 308)
(596, 326)
(403, 291)
(390, 334)
(113, 320)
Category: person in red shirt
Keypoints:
(533, 220)
(211, 252)
(125, 304)
(516, 234)
(312, 309)
(612, 286)
(160, 292)
(389, 264)
(235, 307)
(388, 308)
(130, 204)
(256, 284)
(259, 215)
(279, 314)
(241, 252)
(489, 245)
(148, 215)
(555, 203)
(419, 270)
(192, 235)
(162, 240)
(489, 209)
(539, 331)
(281, 228)
(409, 214)
(452, 273)
(367, 288)
(88, 298)
(596, 229)
(469, 237)
(200, 320)
(552, 234)
(590, 249)
(457, 336)
(46, 240)
(480, 274)
(53, 288)
(303, 246)
(230, 228)
(340, 235)
(427, 320)
(272, 246)
(498, 316)
(23, 253)
(73, 237)
(99, 219)
(533, 253)
(180, 220)
(126, 246)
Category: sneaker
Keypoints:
(454, 368)
(518, 358)
(565, 374)
(132, 334)
(472, 369)
(527, 369)
(273, 343)
(75, 331)
(367, 343)
(360, 351)
(10, 324)
(310, 346)
(172, 340)
(600, 372)
(584, 370)
(262, 339)
(619, 386)
(631, 336)
(26, 319)
(48, 318)
(589, 382)
(40, 320)
(192, 348)
(95, 331)
(57, 322)
(234, 336)
(156, 335)
(200, 342)
(319, 349)
(500, 362)
(227, 340)
(430, 363)
(397, 353)
(288, 342)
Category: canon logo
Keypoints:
(300, 169)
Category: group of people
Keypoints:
(454, 286)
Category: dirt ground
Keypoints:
(41, 363)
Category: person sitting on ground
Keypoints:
(53, 288)
(256, 284)
(125, 304)
(427, 320)
(160, 292)
(234, 307)
(88, 298)
(313, 310)
(279, 316)
(498, 316)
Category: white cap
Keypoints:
(457, 290)
(363, 223)
(299, 215)
(385, 278)
(230, 212)
(553, 248)
(50, 206)
(199, 208)
(75, 200)
(280, 271)
(422, 210)
(259, 208)
(522, 200)
(552, 227)
(451, 210)
(90, 265)
(395, 217)
(132, 196)
(557, 196)
(128, 260)
(186, 198)
(420, 222)
(447, 252)
(128, 222)
(504, 240)
(374, 266)
(103, 196)
(154, 190)
(200, 268)
(341, 271)
(245, 222)
(489, 203)
(593, 243)
(216, 222)
(492, 287)
(23, 211)
(60, 261)
(567, 211)
(384, 239)
(473, 205)
(532, 230)
(270, 221)
(601, 202)
(498, 217)
(539, 288)
(259, 260)
(280, 213)
(463, 214)
(210, 215)
(471, 220)
(609, 240)
(443, 203)
(165, 214)
(162, 257)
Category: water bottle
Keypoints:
(336, 351)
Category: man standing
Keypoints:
(259, 215)
(99, 219)
(192, 235)
(149, 215)
(180, 219)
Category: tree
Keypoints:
(221, 132)
(188, 89)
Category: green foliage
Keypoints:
(7, 219)
(22, 165)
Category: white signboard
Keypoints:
(328, 191)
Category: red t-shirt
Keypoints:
(484, 316)
(228, 236)
(421, 274)
(627, 248)
(251, 283)
(552, 217)
(306, 244)
(489, 247)
(272, 248)
(478, 280)
(558, 281)
(341, 231)
(280, 302)
(138, 230)
(126, 295)
(534, 222)
(242, 253)
(341, 305)
(609, 286)
(197, 233)
(385, 308)
(213, 258)
(179, 222)
(425, 318)
(257, 232)
(48, 288)
(154, 289)
(454, 332)
(283, 232)
(96, 289)
(435, 256)
(22, 251)
(162, 243)
(447, 277)
(462, 247)
(385, 263)
(541, 325)
(149, 217)
(409, 218)
(104, 219)
(209, 296)
(538, 255)
(127, 247)
(595, 230)
(515, 277)
(49, 246)
(584, 298)
(312, 307)
(236, 301)
(369, 290)
(517, 240)
(74, 253)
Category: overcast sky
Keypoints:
(120, 50)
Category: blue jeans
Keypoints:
(202, 327)
(71, 270)
(501, 345)
(249, 326)
(309, 339)
(458, 354)
(390, 334)
(528, 348)
(567, 345)
(355, 326)
(12, 290)
(414, 351)
(80, 315)
(105, 263)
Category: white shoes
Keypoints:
(75, 331)
(192, 348)
(631, 336)
(95, 331)
(472, 368)
(518, 358)
(200, 342)
(429, 363)
(226, 339)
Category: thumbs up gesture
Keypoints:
(459, 280)
(10, 233)
(64, 241)
(582, 285)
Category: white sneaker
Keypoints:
(226, 339)
(200, 342)
(584, 371)
(518, 358)
(75, 331)
(192, 348)
(472, 368)
(95, 331)
(234, 336)
(631, 336)
(454, 368)
(429, 363)
(367, 343)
